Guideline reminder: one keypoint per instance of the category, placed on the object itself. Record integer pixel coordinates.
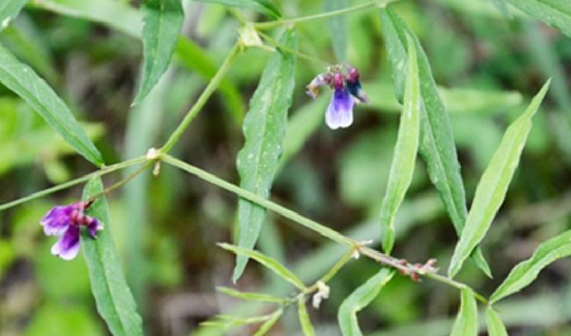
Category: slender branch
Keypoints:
(121, 182)
(399, 264)
(208, 91)
(299, 54)
(69, 184)
(277, 23)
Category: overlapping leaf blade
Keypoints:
(162, 20)
(268, 262)
(556, 13)
(406, 148)
(527, 271)
(114, 300)
(493, 185)
(359, 299)
(466, 323)
(437, 142)
(495, 324)
(9, 9)
(304, 321)
(264, 132)
(21, 79)
(265, 7)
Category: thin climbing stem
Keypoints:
(197, 107)
(325, 15)
(359, 247)
(69, 184)
(121, 183)
(299, 54)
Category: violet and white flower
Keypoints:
(65, 222)
(354, 86)
(340, 111)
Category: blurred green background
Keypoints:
(488, 64)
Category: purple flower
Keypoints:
(65, 222)
(340, 111)
(354, 86)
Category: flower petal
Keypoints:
(57, 220)
(94, 226)
(67, 246)
(340, 111)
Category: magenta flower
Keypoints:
(65, 222)
(340, 111)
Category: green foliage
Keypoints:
(264, 132)
(494, 183)
(437, 146)
(115, 303)
(467, 320)
(556, 13)
(265, 7)
(304, 321)
(404, 159)
(359, 299)
(21, 79)
(162, 20)
(269, 324)
(9, 9)
(251, 296)
(527, 271)
(338, 28)
(495, 324)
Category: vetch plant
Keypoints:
(425, 128)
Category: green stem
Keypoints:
(273, 24)
(121, 182)
(208, 91)
(69, 184)
(299, 54)
(403, 266)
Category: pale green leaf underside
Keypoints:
(162, 20)
(495, 325)
(265, 7)
(466, 323)
(264, 131)
(527, 271)
(114, 300)
(493, 185)
(406, 148)
(304, 321)
(359, 299)
(21, 79)
(267, 262)
(436, 139)
(9, 9)
(556, 13)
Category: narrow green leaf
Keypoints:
(437, 146)
(493, 185)
(406, 148)
(268, 262)
(114, 300)
(527, 271)
(304, 320)
(338, 28)
(162, 20)
(269, 324)
(251, 296)
(21, 79)
(265, 7)
(9, 9)
(556, 13)
(495, 325)
(264, 132)
(467, 319)
(359, 299)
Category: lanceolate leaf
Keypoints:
(21, 79)
(359, 299)
(251, 296)
(264, 130)
(269, 324)
(556, 13)
(493, 185)
(437, 141)
(268, 262)
(304, 320)
(402, 167)
(162, 20)
(467, 319)
(527, 271)
(114, 300)
(9, 9)
(495, 325)
(265, 7)
(338, 28)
